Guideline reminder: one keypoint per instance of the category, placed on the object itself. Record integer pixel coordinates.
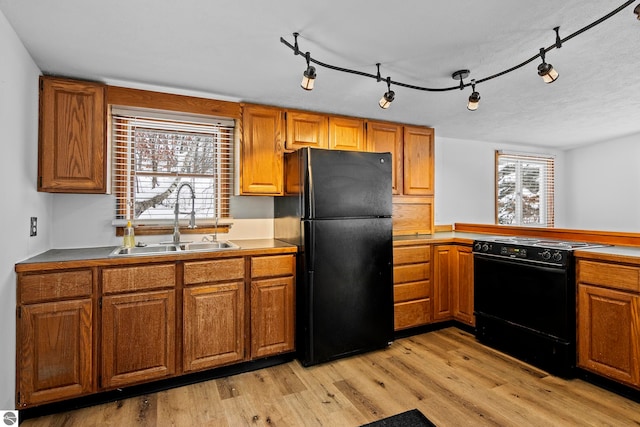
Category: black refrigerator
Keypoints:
(337, 209)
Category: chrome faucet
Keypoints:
(176, 211)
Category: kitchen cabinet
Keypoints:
(54, 337)
(138, 324)
(346, 133)
(262, 151)
(306, 129)
(443, 276)
(213, 313)
(463, 285)
(72, 136)
(412, 173)
(609, 320)
(272, 305)
(411, 285)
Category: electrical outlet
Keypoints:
(33, 230)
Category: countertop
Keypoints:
(99, 256)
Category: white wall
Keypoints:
(605, 185)
(465, 180)
(20, 200)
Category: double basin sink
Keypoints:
(172, 248)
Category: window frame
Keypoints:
(547, 188)
(180, 104)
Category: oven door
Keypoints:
(535, 296)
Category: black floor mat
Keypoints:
(412, 418)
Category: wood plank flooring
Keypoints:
(446, 374)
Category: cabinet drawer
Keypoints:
(411, 273)
(54, 286)
(127, 279)
(610, 275)
(411, 254)
(411, 291)
(272, 266)
(213, 271)
(412, 313)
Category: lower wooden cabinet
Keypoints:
(463, 285)
(411, 285)
(54, 340)
(609, 320)
(138, 337)
(453, 283)
(272, 305)
(213, 313)
(148, 321)
(138, 324)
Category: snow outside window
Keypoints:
(524, 190)
(154, 154)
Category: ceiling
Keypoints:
(231, 50)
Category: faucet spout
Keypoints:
(176, 212)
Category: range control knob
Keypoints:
(477, 246)
(557, 256)
(485, 247)
(546, 255)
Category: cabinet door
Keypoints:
(463, 285)
(262, 151)
(138, 337)
(307, 130)
(387, 137)
(272, 316)
(443, 271)
(213, 325)
(609, 333)
(418, 161)
(55, 351)
(72, 147)
(346, 133)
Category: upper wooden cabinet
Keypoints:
(72, 136)
(383, 137)
(307, 130)
(418, 161)
(346, 133)
(262, 151)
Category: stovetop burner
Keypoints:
(530, 249)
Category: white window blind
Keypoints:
(155, 153)
(524, 189)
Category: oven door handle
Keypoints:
(510, 260)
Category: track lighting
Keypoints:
(388, 97)
(309, 75)
(474, 98)
(546, 71)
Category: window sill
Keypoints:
(153, 230)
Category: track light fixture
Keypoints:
(388, 96)
(545, 70)
(474, 98)
(309, 75)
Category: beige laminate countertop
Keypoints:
(99, 256)
(440, 237)
(624, 254)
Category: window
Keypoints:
(524, 189)
(155, 154)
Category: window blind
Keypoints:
(155, 153)
(525, 189)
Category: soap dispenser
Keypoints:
(129, 236)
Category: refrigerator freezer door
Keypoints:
(346, 184)
(346, 304)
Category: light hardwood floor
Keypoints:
(446, 374)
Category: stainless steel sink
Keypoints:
(145, 250)
(160, 249)
(209, 246)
